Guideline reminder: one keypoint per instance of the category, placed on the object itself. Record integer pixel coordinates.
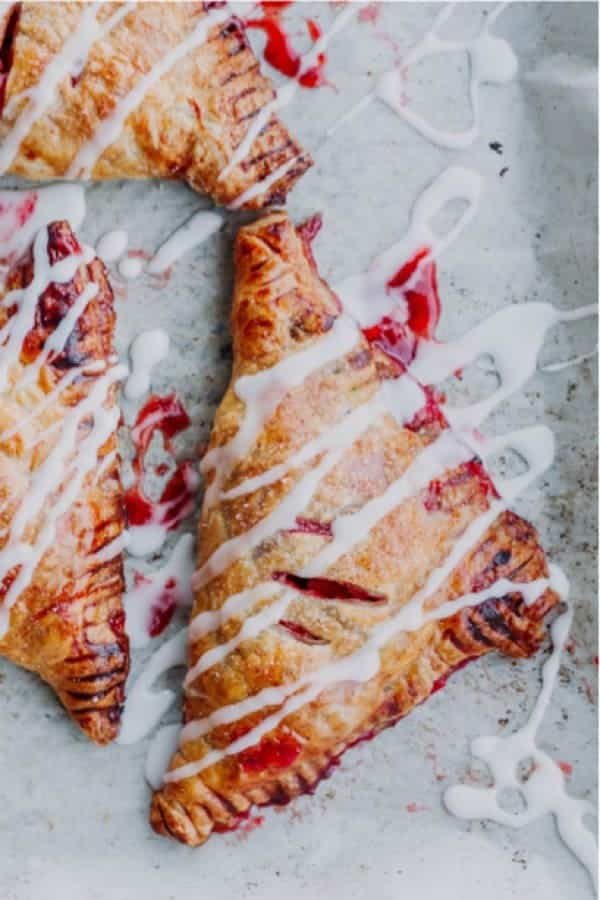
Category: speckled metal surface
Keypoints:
(73, 818)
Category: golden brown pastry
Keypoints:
(61, 518)
(138, 90)
(325, 550)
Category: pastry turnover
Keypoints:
(138, 90)
(61, 519)
(325, 520)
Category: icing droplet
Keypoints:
(131, 267)
(112, 245)
(194, 232)
(147, 350)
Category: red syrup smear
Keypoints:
(175, 504)
(14, 215)
(370, 13)
(163, 609)
(167, 416)
(471, 469)
(280, 54)
(311, 526)
(274, 7)
(399, 339)
(7, 50)
(328, 588)
(158, 414)
(431, 413)
(302, 634)
(272, 753)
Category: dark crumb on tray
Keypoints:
(496, 146)
(503, 171)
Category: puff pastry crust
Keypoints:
(281, 308)
(186, 125)
(67, 623)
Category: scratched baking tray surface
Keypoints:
(73, 820)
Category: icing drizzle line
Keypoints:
(62, 473)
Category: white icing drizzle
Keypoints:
(251, 628)
(513, 337)
(162, 747)
(321, 444)
(255, 190)
(112, 245)
(140, 599)
(236, 605)
(17, 326)
(195, 231)
(142, 540)
(536, 445)
(284, 515)
(145, 539)
(57, 482)
(145, 707)
(131, 267)
(59, 468)
(146, 351)
(52, 203)
(350, 529)
(110, 550)
(263, 392)
(70, 60)
(366, 296)
(491, 60)
(567, 363)
(285, 95)
(49, 399)
(544, 791)
(108, 129)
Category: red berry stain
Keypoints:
(167, 416)
(430, 414)
(434, 497)
(7, 49)
(280, 54)
(415, 808)
(329, 589)
(116, 621)
(274, 7)
(272, 753)
(163, 609)
(159, 414)
(311, 526)
(370, 13)
(416, 281)
(14, 214)
(565, 767)
(394, 338)
(302, 634)
(175, 504)
(422, 295)
(442, 681)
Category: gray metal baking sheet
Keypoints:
(73, 817)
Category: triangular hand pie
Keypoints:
(61, 520)
(139, 90)
(329, 540)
